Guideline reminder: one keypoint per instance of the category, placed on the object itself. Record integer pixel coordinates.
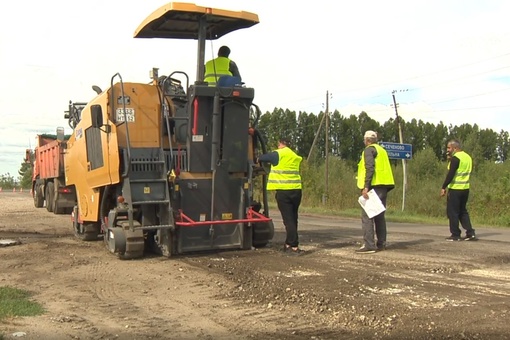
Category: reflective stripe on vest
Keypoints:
(285, 175)
(461, 179)
(383, 174)
(216, 68)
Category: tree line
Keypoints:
(345, 135)
(426, 170)
(345, 138)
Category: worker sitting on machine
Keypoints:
(222, 70)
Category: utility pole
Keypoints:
(325, 118)
(315, 139)
(326, 174)
(404, 162)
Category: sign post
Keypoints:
(398, 151)
(403, 152)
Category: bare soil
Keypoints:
(421, 287)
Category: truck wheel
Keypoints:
(57, 209)
(50, 194)
(87, 231)
(38, 196)
(56, 198)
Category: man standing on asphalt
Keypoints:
(285, 179)
(457, 182)
(374, 172)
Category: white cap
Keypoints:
(370, 134)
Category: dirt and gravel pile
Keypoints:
(420, 288)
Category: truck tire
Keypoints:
(87, 231)
(38, 196)
(57, 209)
(50, 194)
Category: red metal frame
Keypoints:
(195, 117)
(252, 216)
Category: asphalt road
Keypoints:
(308, 221)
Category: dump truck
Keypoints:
(48, 176)
(167, 166)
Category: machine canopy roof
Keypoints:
(178, 20)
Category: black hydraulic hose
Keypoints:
(264, 177)
(165, 110)
(215, 143)
(103, 207)
(112, 101)
(216, 131)
(256, 121)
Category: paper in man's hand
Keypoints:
(373, 205)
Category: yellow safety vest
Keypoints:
(383, 174)
(461, 179)
(216, 68)
(285, 175)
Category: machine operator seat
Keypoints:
(229, 81)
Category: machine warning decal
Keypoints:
(226, 216)
(129, 116)
(197, 138)
(146, 190)
(79, 133)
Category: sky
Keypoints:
(445, 61)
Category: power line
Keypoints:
(312, 98)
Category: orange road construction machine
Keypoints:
(169, 167)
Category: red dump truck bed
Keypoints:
(48, 181)
(49, 157)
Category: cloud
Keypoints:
(452, 57)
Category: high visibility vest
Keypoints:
(461, 179)
(216, 68)
(285, 175)
(383, 175)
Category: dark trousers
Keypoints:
(288, 204)
(379, 222)
(456, 211)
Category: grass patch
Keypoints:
(16, 302)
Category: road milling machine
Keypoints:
(168, 166)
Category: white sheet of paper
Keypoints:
(373, 205)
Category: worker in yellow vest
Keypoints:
(285, 179)
(374, 172)
(221, 66)
(459, 166)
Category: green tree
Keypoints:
(436, 137)
(350, 139)
(277, 124)
(503, 146)
(307, 124)
(336, 132)
(7, 181)
(488, 140)
(25, 175)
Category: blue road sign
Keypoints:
(398, 151)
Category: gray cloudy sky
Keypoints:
(448, 60)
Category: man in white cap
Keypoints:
(374, 172)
